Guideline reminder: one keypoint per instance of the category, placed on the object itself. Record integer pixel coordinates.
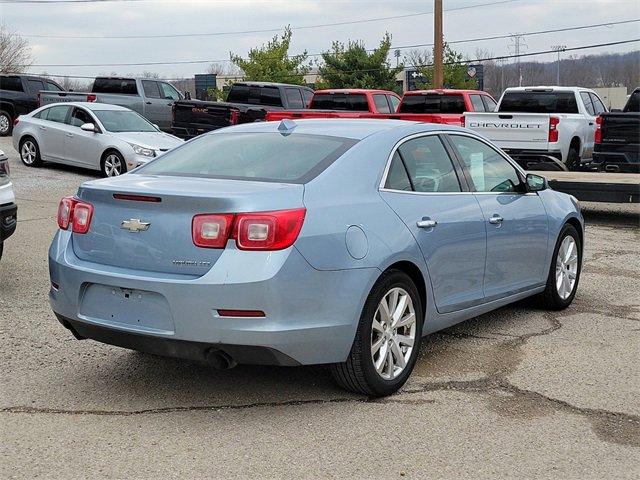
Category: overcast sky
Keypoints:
(161, 17)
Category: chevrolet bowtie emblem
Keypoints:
(135, 225)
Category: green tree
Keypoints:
(272, 63)
(352, 66)
(454, 69)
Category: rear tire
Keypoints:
(113, 164)
(394, 340)
(6, 124)
(30, 152)
(573, 157)
(564, 272)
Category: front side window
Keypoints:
(489, 170)
(56, 114)
(587, 103)
(54, 87)
(79, 117)
(168, 92)
(150, 88)
(380, 101)
(257, 156)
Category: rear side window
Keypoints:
(340, 101)
(380, 101)
(169, 92)
(539, 102)
(476, 103)
(115, 85)
(294, 98)
(308, 95)
(150, 88)
(598, 106)
(432, 103)
(429, 165)
(35, 85)
(394, 102)
(56, 114)
(13, 84)
(264, 156)
(398, 177)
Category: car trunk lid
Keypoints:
(143, 222)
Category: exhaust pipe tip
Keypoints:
(220, 360)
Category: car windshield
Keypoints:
(270, 157)
(123, 121)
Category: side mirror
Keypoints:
(89, 127)
(536, 183)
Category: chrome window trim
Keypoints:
(400, 142)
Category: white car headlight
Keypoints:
(145, 152)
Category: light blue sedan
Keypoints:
(338, 242)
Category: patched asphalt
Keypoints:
(519, 392)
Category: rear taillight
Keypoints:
(72, 212)
(268, 230)
(598, 133)
(91, 98)
(234, 115)
(16, 121)
(275, 230)
(553, 129)
(211, 231)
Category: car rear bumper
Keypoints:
(8, 220)
(310, 315)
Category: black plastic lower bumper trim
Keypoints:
(8, 220)
(169, 347)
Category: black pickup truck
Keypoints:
(247, 102)
(617, 142)
(19, 95)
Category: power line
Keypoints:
(462, 62)
(243, 32)
(403, 47)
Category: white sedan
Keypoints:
(98, 136)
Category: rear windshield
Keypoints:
(115, 85)
(255, 95)
(269, 157)
(340, 101)
(432, 103)
(539, 102)
(633, 104)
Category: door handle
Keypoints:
(42, 127)
(590, 123)
(496, 220)
(69, 135)
(148, 103)
(426, 222)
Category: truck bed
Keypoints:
(596, 186)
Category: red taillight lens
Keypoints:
(16, 122)
(81, 221)
(74, 213)
(553, 129)
(65, 212)
(91, 98)
(268, 230)
(211, 231)
(234, 115)
(598, 133)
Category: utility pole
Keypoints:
(558, 48)
(438, 72)
(518, 45)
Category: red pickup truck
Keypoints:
(343, 103)
(428, 106)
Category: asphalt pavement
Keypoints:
(519, 392)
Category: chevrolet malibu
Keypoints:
(98, 136)
(339, 242)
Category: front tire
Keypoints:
(113, 164)
(564, 273)
(30, 152)
(6, 124)
(388, 338)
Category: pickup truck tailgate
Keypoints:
(512, 130)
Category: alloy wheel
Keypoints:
(566, 267)
(28, 152)
(393, 333)
(112, 165)
(4, 124)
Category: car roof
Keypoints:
(356, 129)
(93, 106)
(444, 91)
(351, 90)
(552, 88)
(249, 83)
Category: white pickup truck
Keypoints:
(8, 208)
(538, 126)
